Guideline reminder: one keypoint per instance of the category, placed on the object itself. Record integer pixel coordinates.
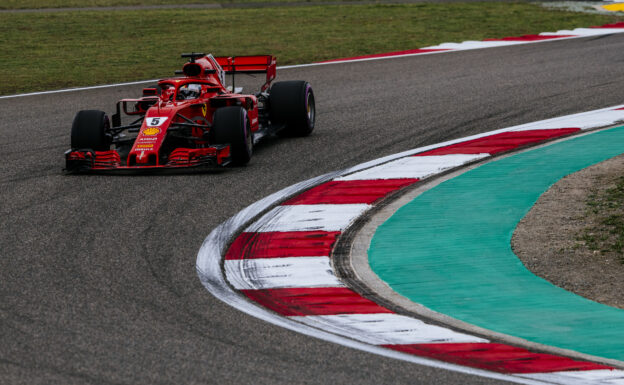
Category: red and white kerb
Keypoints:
(282, 261)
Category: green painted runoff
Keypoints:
(450, 250)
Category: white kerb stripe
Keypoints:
(465, 45)
(578, 32)
(414, 167)
(308, 218)
(582, 377)
(276, 273)
(585, 32)
(584, 122)
(385, 329)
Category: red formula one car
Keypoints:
(193, 120)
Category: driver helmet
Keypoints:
(189, 91)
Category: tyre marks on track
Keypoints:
(281, 261)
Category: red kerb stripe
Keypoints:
(530, 38)
(314, 301)
(282, 244)
(504, 141)
(619, 24)
(351, 191)
(497, 357)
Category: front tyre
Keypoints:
(90, 131)
(231, 126)
(292, 104)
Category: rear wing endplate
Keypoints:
(250, 65)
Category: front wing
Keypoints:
(86, 160)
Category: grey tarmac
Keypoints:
(98, 280)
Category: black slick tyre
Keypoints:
(292, 105)
(89, 131)
(231, 126)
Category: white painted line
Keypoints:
(585, 377)
(386, 329)
(121, 84)
(414, 167)
(448, 47)
(363, 59)
(308, 218)
(80, 89)
(277, 273)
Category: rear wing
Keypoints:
(250, 65)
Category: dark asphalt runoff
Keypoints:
(97, 273)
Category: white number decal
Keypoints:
(156, 122)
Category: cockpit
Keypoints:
(189, 91)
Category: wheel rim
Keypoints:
(311, 109)
(248, 135)
(249, 141)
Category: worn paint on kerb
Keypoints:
(449, 249)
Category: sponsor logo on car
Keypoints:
(150, 131)
(145, 146)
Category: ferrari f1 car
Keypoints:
(193, 120)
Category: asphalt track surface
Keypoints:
(98, 272)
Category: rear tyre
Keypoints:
(292, 105)
(231, 126)
(90, 129)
